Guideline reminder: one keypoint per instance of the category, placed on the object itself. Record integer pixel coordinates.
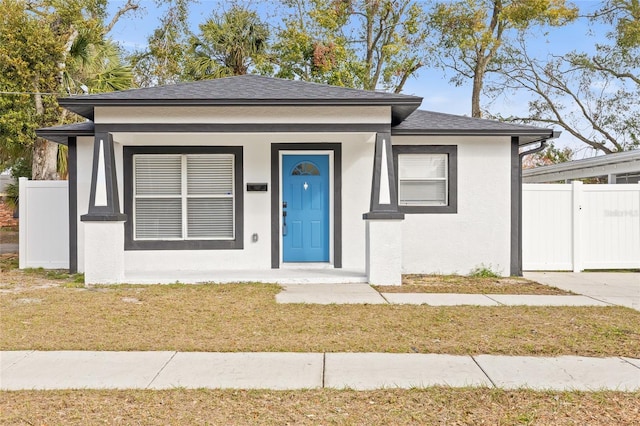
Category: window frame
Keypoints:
(185, 243)
(452, 173)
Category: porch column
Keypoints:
(104, 223)
(384, 221)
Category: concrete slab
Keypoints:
(9, 358)
(240, 370)
(322, 274)
(77, 370)
(634, 361)
(545, 300)
(561, 373)
(439, 299)
(364, 371)
(325, 294)
(620, 287)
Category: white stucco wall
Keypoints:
(244, 114)
(480, 232)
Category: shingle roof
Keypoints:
(244, 90)
(59, 134)
(422, 122)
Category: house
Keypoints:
(260, 173)
(617, 168)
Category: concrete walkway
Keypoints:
(593, 288)
(617, 288)
(361, 371)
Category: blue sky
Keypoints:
(431, 84)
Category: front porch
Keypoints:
(298, 275)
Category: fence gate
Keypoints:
(44, 224)
(580, 226)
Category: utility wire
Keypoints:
(28, 93)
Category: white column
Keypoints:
(384, 251)
(104, 252)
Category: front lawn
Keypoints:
(245, 317)
(432, 406)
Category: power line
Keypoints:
(28, 93)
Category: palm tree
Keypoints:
(227, 45)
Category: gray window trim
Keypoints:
(452, 152)
(235, 244)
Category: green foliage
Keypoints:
(162, 62)
(49, 48)
(228, 44)
(484, 271)
(550, 155)
(472, 34)
(356, 43)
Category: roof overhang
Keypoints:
(617, 163)
(526, 137)
(61, 134)
(85, 107)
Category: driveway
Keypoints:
(618, 288)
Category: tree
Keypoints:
(472, 34)
(595, 97)
(39, 41)
(359, 43)
(550, 155)
(228, 44)
(29, 53)
(163, 61)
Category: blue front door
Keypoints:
(305, 208)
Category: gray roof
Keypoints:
(422, 122)
(244, 90)
(603, 165)
(59, 134)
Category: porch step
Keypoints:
(277, 276)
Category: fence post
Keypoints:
(22, 222)
(576, 198)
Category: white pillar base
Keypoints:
(384, 251)
(103, 252)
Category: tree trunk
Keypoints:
(45, 160)
(475, 94)
(44, 163)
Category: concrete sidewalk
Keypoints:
(361, 371)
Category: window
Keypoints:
(183, 200)
(427, 178)
(305, 169)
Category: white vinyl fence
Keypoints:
(580, 226)
(44, 224)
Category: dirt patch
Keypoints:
(469, 285)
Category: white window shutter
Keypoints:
(157, 174)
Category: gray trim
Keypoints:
(516, 203)
(383, 216)
(110, 212)
(236, 244)
(61, 134)
(72, 165)
(516, 210)
(241, 128)
(383, 138)
(452, 152)
(275, 196)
